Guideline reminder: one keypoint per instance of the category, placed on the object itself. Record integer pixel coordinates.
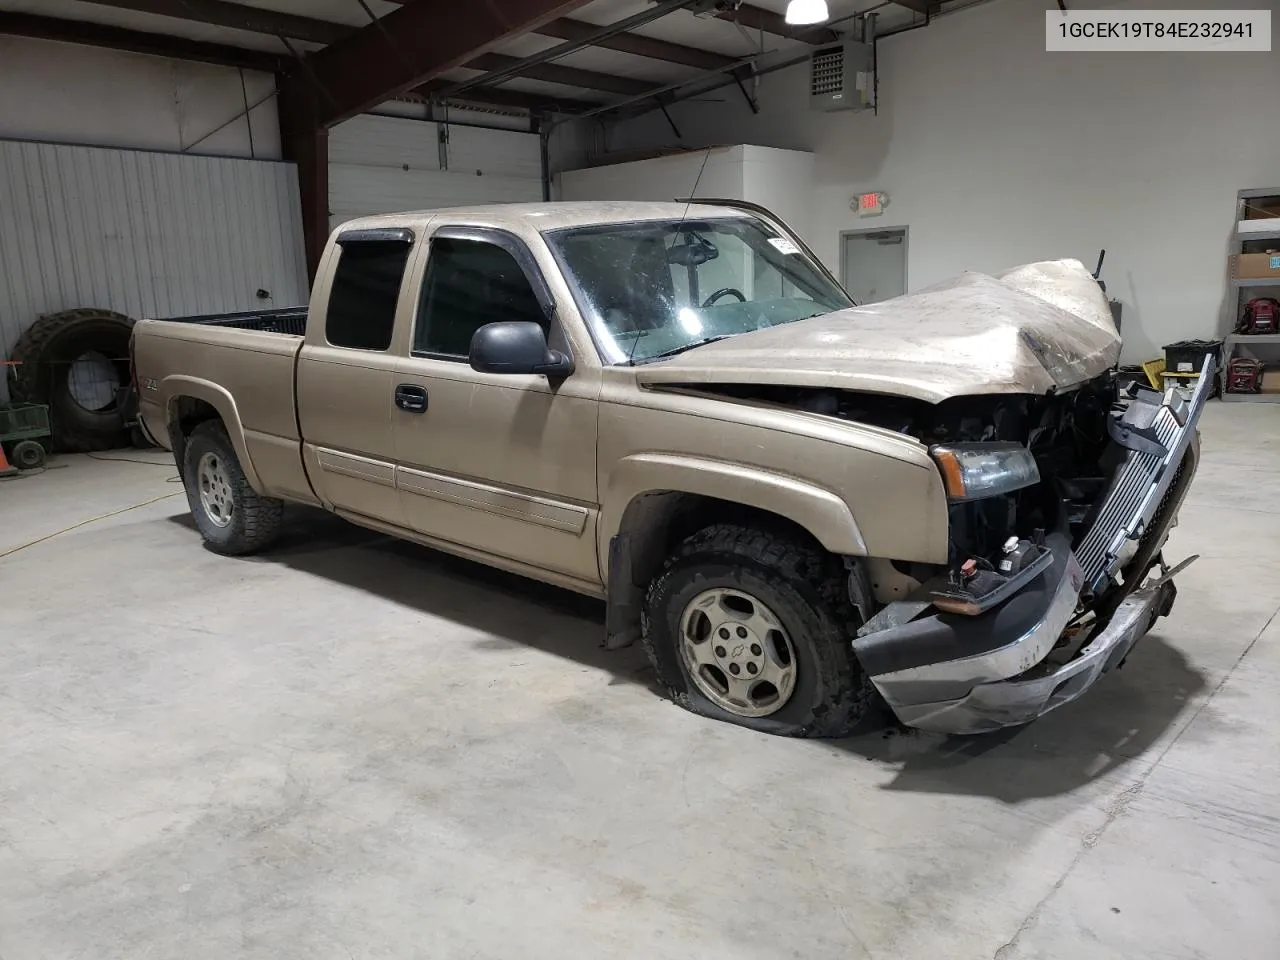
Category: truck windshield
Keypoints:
(656, 288)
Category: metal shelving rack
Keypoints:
(1241, 290)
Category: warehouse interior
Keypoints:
(356, 745)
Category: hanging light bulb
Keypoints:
(807, 11)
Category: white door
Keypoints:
(391, 164)
(873, 264)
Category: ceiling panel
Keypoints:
(540, 87)
(150, 23)
(600, 60)
(337, 11)
(704, 32)
(722, 36)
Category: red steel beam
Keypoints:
(135, 41)
(413, 44)
(309, 152)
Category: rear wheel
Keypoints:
(231, 517)
(754, 628)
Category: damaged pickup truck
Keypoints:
(799, 506)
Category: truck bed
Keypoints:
(289, 320)
(241, 365)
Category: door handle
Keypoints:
(411, 398)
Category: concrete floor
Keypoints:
(355, 748)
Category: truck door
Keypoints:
(503, 464)
(346, 373)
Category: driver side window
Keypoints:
(468, 284)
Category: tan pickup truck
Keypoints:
(798, 505)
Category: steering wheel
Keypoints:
(724, 292)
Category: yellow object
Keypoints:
(82, 523)
(1154, 369)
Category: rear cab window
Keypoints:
(361, 313)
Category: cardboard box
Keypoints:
(1271, 381)
(1255, 266)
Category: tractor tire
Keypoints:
(47, 352)
(754, 628)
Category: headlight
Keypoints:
(971, 471)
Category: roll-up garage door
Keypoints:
(143, 234)
(387, 164)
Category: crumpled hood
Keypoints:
(1032, 329)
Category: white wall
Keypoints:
(67, 93)
(995, 152)
(780, 181)
(716, 173)
(777, 179)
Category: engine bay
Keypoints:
(997, 543)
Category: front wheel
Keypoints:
(754, 628)
(231, 517)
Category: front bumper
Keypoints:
(1006, 703)
(971, 674)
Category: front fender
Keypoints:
(824, 514)
(178, 386)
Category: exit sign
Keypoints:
(869, 204)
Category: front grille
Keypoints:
(1139, 488)
(1132, 483)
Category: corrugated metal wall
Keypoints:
(147, 234)
(385, 164)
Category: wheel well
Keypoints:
(187, 414)
(652, 526)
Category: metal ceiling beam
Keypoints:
(666, 97)
(681, 95)
(919, 6)
(410, 45)
(503, 97)
(548, 72)
(522, 66)
(636, 44)
(238, 17)
(756, 18)
(136, 41)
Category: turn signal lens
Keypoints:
(972, 471)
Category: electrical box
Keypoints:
(842, 77)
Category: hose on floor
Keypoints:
(114, 513)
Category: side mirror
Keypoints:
(516, 348)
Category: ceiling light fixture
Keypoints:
(801, 12)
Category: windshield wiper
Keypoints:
(683, 347)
